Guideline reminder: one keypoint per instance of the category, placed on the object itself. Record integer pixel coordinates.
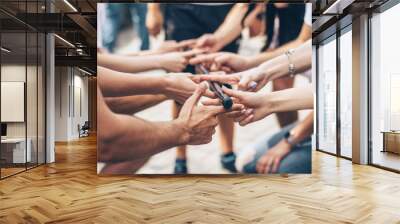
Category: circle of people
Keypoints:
(205, 34)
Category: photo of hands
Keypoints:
(204, 88)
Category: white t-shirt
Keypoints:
(101, 14)
(307, 14)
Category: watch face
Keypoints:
(287, 135)
(289, 138)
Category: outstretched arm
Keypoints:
(175, 86)
(133, 104)
(130, 64)
(227, 31)
(172, 62)
(117, 134)
(262, 74)
(260, 105)
(125, 138)
(305, 35)
(113, 83)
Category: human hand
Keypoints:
(257, 105)
(222, 61)
(199, 122)
(180, 86)
(171, 45)
(269, 162)
(250, 80)
(154, 20)
(210, 42)
(177, 61)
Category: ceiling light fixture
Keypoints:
(5, 50)
(70, 5)
(84, 71)
(64, 40)
(337, 7)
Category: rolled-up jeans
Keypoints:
(115, 13)
(112, 25)
(297, 161)
(138, 13)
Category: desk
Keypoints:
(391, 141)
(13, 150)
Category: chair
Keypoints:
(84, 130)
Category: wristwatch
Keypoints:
(289, 138)
(292, 68)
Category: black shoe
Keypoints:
(180, 166)
(228, 161)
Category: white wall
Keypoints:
(70, 83)
(13, 73)
(80, 84)
(61, 103)
(33, 126)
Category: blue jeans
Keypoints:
(138, 13)
(115, 13)
(297, 161)
(112, 25)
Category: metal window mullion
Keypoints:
(26, 87)
(317, 97)
(0, 95)
(73, 92)
(369, 100)
(338, 95)
(37, 91)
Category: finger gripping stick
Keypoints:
(225, 100)
(216, 87)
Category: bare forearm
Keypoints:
(304, 128)
(279, 66)
(123, 137)
(113, 83)
(291, 99)
(305, 35)
(133, 104)
(231, 27)
(268, 55)
(153, 6)
(139, 53)
(123, 168)
(138, 138)
(129, 64)
(144, 53)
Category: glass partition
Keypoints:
(346, 92)
(32, 87)
(14, 151)
(327, 96)
(23, 89)
(385, 89)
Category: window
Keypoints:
(327, 96)
(346, 92)
(385, 89)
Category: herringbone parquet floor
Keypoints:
(69, 191)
